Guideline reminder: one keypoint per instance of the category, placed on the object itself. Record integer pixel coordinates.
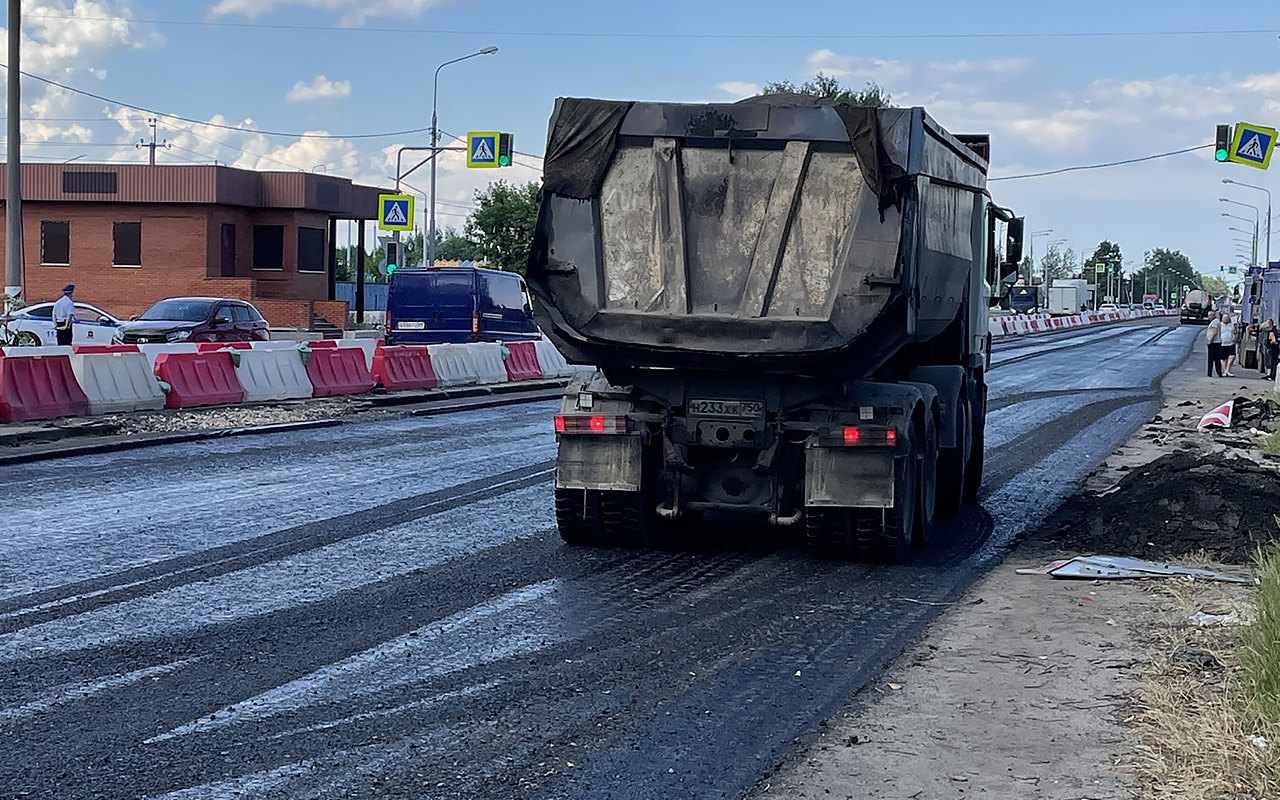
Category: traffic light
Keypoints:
(506, 148)
(395, 252)
(1222, 143)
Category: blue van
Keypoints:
(458, 304)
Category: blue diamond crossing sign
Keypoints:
(395, 212)
(482, 149)
(1253, 145)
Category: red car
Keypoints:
(195, 319)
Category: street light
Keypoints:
(1268, 191)
(435, 141)
(1255, 231)
(1257, 215)
(1032, 249)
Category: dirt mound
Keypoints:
(1177, 505)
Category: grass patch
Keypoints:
(1271, 444)
(1260, 653)
(1197, 737)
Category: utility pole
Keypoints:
(152, 144)
(13, 160)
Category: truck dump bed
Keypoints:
(780, 232)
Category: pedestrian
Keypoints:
(1227, 344)
(1270, 347)
(1211, 336)
(64, 315)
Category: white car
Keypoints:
(33, 325)
(1108, 307)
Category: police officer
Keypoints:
(64, 315)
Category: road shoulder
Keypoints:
(1034, 687)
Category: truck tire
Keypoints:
(884, 535)
(973, 469)
(830, 533)
(953, 463)
(578, 516)
(590, 518)
(927, 508)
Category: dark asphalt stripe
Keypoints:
(34, 608)
(1026, 397)
(1088, 343)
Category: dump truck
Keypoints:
(1197, 306)
(786, 301)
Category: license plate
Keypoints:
(411, 326)
(742, 409)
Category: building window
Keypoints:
(268, 247)
(88, 183)
(310, 249)
(55, 243)
(128, 244)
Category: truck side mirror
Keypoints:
(1013, 241)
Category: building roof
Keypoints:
(204, 184)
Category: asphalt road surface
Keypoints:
(384, 609)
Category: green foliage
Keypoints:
(1058, 263)
(830, 88)
(1215, 286)
(1260, 655)
(1107, 253)
(503, 222)
(453, 246)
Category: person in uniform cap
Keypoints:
(64, 315)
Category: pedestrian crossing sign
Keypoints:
(482, 149)
(1253, 145)
(395, 212)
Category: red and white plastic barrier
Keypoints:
(1023, 324)
(49, 382)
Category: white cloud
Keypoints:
(739, 89)
(320, 88)
(352, 13)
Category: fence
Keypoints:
(375, 295)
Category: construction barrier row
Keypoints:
(1023, 324)
(49, 382)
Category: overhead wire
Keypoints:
(723, 35)
(1122, 162)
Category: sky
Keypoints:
(317, 84)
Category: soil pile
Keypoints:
(1177, 505)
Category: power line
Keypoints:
(643, 35)
(289, 134)
(1101, 166)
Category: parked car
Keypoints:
(1160, 307)
(1108, 307)
(195, 319)
(33, 325)
(458, 304)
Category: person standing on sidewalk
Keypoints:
(1227, 344)
(64, 315)
(1211, 336)
(1270, 347)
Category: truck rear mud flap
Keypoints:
(848, 478)
(607, 463)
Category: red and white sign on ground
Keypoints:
(1220, 417)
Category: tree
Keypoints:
(503, 222)
(829, 88)
(1215, 286)
(1057, 264)
(453, 246)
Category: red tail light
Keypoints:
(590, 423)
(858, 436)
(475, 321)
(388, 323)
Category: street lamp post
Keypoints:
(1267, 265)
(1255, 232)
(435, 142)
(1257, 213)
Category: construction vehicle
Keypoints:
(787, 303)
(1197, 307)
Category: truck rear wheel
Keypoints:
(952, 463)
(831, 533)
(978, 422)
(926, 510)
(578, 516)
(884, 535)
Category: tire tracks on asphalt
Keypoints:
(34, 608)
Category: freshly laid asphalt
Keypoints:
(384, 609)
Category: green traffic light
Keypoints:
(1220, 154)
(503, 161)
(391, 268)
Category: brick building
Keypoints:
(129, 235)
